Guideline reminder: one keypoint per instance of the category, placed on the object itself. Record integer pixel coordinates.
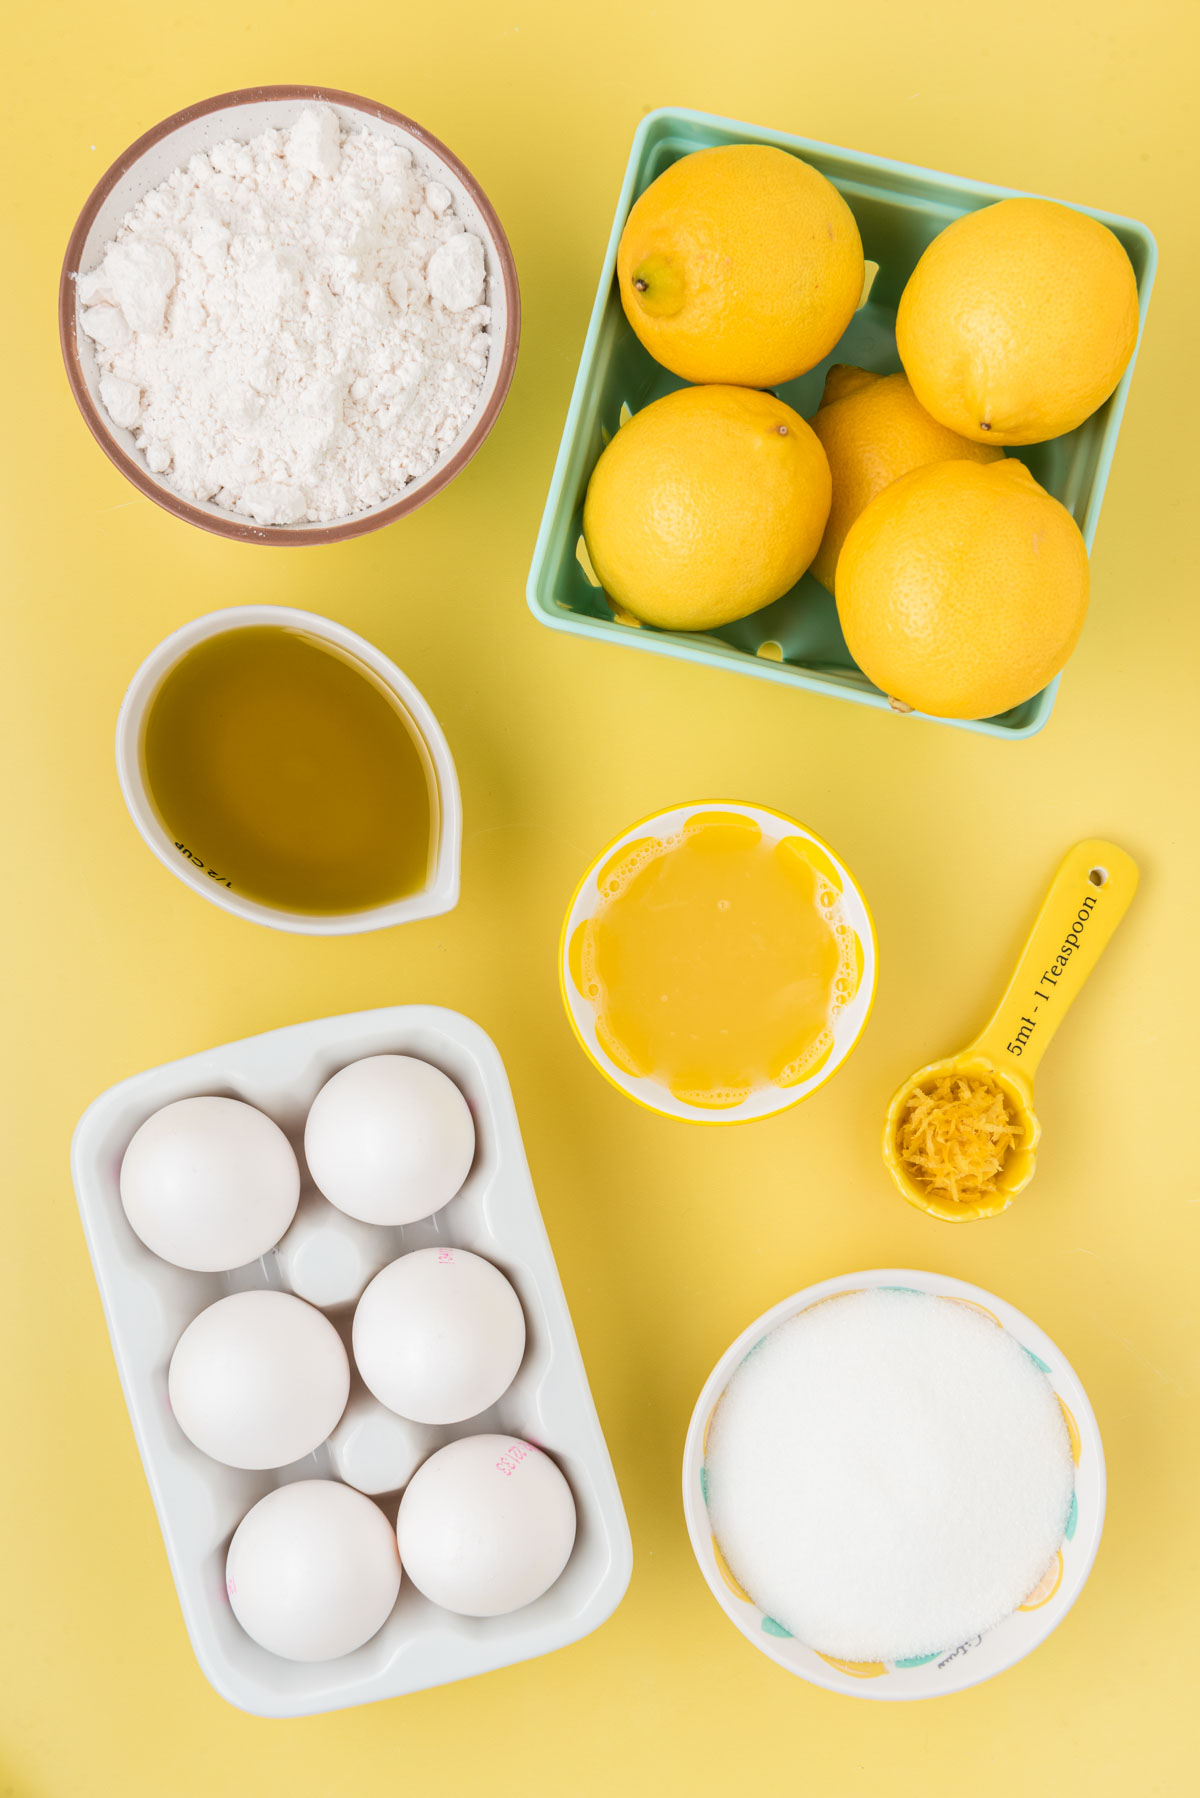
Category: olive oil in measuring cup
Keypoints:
(285, 769)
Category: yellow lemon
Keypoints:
(962, 590)
(1018, 321)
(705, 506)
(740, 264)
(873, 429)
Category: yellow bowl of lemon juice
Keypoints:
(718, 962)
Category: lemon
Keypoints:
(1018, 321)
(962, 590)
(705, 506)
(873, 429)
(740, 264)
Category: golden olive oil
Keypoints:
(284, 769)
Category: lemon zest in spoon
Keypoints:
(955, 1135)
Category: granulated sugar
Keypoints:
(294, 327)
(888, 1475)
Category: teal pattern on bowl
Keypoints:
(796, 641)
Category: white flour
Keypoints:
(293, 327)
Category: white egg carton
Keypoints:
(148, 1303)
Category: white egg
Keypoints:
(209, 1183)
(374, 1450)
(312, 1571)
(328, 1257)
(439, 1335)
(259, 1379)
(486, 1525)
(389, 1139)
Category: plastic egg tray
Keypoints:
(148, 1303)
(900, 209)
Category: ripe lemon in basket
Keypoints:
(741, 264)
(874, 429)
(962, 589)
(705, 506)
(1018, 321)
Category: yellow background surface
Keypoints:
(669, 1238)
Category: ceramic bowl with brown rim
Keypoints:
(239, 117)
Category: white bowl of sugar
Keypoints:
(289, 315)
(896, 1495)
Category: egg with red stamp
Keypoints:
(486, 1525)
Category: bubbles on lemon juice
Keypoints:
(842, 989)
(620, 1056)
(623, 867)
(845, 982)
(801, 1066)
(581, 960)
(712, 1098)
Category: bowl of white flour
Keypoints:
(894, 1485)
(289, 315)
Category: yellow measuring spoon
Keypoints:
(1089, 896)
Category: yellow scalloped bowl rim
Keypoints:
(1072, 1430)
(818, 853)
(707, 1428)
(972, 1305)
(1047, 1586)
(855, 1669)
(726, 1574)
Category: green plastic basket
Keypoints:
(900, 210)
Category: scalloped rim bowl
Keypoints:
(241, 115)
(960, 1664)
(848, 1026)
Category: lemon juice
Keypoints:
(716, 961)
